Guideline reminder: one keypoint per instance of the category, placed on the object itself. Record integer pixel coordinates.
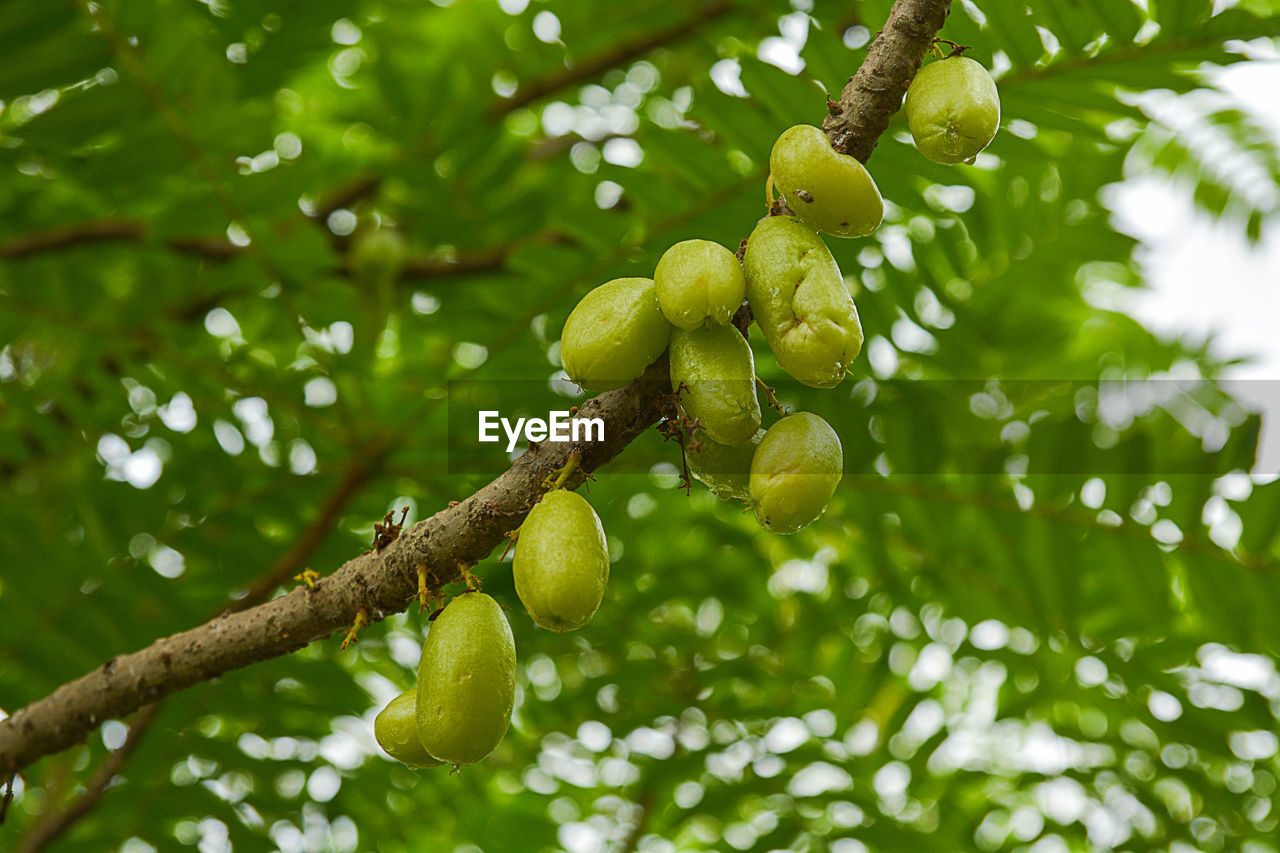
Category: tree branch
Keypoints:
(875, 93)
(53, 825)
(592, 66)
(382, 583)
(462, 534)
(357, 474)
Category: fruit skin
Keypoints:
(830, 191)
(698, 283)
(718, 373)
(800, 302)
(466, 680)
(561, 563)
(794, 472)
(395, 729)
(613, 334)
(953, 110)
(724, 469)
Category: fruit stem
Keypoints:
(556, 479)
(362, 621)
(473, 582)
(772, 399)
(511, 537)
(425, 595)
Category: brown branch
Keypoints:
(345, 196)
(875, 93)
(54, 824)
(96, 231)
(592, 66)
(383, 583)
(645, 803)
(358, 473)
(461, 534)
(108, 230)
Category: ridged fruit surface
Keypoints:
(699, 283)
(800, 302)
(953, 110)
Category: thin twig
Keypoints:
(54, 824)
(592, 66)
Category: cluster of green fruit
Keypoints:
(461, 706)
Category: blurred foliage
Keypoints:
(1039, 615)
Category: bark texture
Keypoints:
(875, 92)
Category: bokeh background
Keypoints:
(1040, 613)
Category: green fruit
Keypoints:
(562, 562)
(830, 191)
(466, 680)
(699, 283)
(953, 110)
(795, 472)
(800, 302)
(377, 256)
(395, 728)
(714, 375)
(613, 334)
(724, 469)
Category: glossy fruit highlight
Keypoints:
(466, 680)
(724, 469)
(800, 302)
(561, 564)
(794, 472)
(698, 283)
(713, 373)
(395, 729)
(830, 191)
(613, 334)
(953, 110)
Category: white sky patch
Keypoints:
(1204, 279)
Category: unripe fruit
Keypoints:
(613, 334)
(562, 561)
(800, 302)
(724, 469)
(795, 472)
(377, 256)
(713, 374)
(699, 283)
(466, 680)
(830, 191)
(953, 110)
(395, 729)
